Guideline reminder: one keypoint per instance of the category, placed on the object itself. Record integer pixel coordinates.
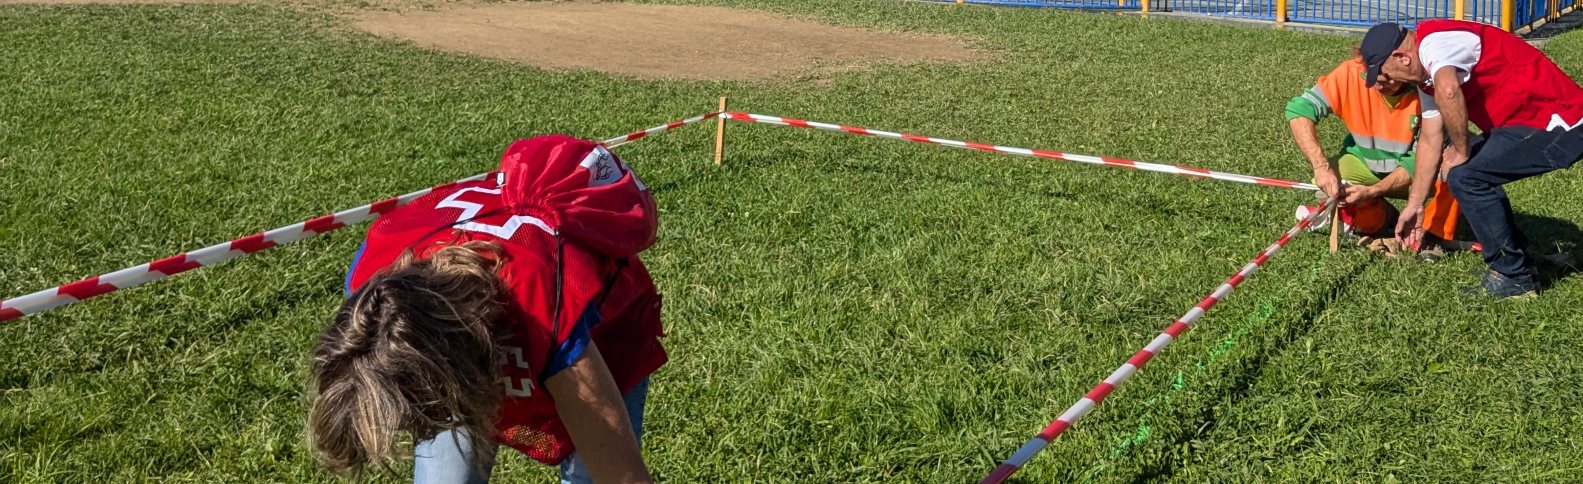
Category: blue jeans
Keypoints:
(1502, 156)
(444, 459)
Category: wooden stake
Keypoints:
(1335, 228)
(720, 133)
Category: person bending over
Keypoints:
(512, 310)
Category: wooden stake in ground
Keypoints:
(1335, 228)
(720, 133)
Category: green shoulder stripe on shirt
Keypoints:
(1311, 104)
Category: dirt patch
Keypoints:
(114, 2)
(659, 41)
(638, 40)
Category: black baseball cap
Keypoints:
(1377, 46)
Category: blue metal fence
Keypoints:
(1530, 11)
(1405, 12)
(1074, 4)
(1487, 11)
(1524, 13)
(1527, 11)
(1249, 9)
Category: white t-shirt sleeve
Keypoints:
(1426, 105)
(1449, 48)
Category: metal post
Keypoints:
(1461, 10)
(1508, 8)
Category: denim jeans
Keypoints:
(1502, 156)
(443, 459)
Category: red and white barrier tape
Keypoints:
(93, 286)
(621, 140)
(1086, 404)
(1054, 155)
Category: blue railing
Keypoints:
(1524, 13)
(1370, 12)
(1531, 11)
(1250, 9)
(1075, 4)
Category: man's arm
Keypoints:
(590, 404)
(1303, 114)
(1305, 132)
(1431, 143)
(1431, 137)
(1453, 117)
(1398, 179)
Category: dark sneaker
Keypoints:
(1431, 248)
(1502, 287)
(1431, 252)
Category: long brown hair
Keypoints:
(415, 350)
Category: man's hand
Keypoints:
(1449, 159)
(1359, 194)
(1306, 133)
(1329, 183)
(1409, 226)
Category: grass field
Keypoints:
(840, 309)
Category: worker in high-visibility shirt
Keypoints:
(1376, 157)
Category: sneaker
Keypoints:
(1431, 253)
(1502, 287)
(1431, 248)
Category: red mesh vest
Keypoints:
(604, 215)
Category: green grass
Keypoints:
(840, 309)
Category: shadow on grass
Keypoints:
(1554, 243)
(1549, 236)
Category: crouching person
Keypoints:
(1376, 158)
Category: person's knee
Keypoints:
(1463, 184)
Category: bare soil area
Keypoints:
(658, 41)
(113, 2)
(638, 40)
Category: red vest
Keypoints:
(1513, 84)
(604, 216)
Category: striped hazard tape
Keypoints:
(132, 276)
(1178, 170)
(1092, 399)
